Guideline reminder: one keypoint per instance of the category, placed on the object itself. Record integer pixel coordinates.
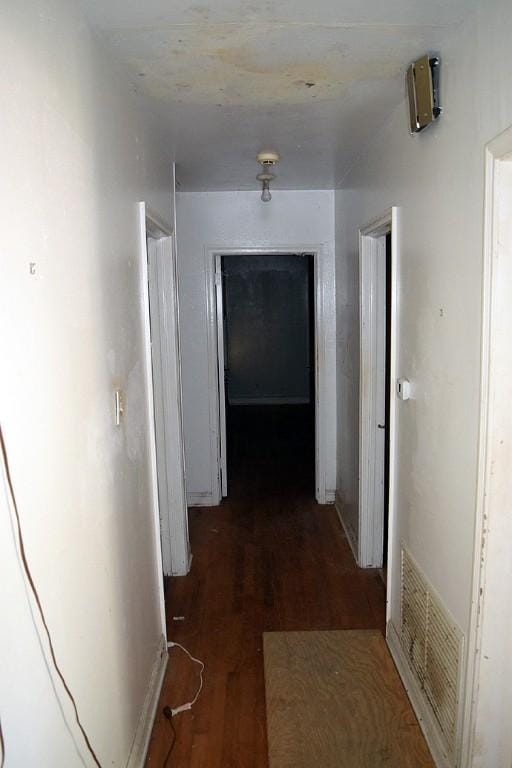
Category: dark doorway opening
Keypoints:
(269, 344)
(387, 402)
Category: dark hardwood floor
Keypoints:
(269, 558)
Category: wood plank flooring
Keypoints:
(269, 558)
(335, 700)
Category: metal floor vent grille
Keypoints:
(433, 645)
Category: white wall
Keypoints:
(231, 220)
(437, 180)
(76, 156)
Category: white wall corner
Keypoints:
(142, 737)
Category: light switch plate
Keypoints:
(119, 406)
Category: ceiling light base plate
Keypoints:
(268, 157)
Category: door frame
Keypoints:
(216, 339)
(372, 286)
(162, 363)
(489, 666)
(221, 366)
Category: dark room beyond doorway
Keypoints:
(269, 341)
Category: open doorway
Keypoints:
(163, 382)
(266, 340)
(387, 401)
(377, 393)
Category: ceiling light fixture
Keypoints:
(267, 160)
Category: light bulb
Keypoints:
(265, 192)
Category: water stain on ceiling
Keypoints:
(256, 64)
(312, 81)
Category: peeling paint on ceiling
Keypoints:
(233, 77)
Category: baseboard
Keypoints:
(330, 497)
(338, 504)
(421, 708)
(201, 499)
(140, 744)
(269, 400)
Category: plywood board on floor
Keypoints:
(335, 700)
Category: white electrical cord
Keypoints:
(189, 704)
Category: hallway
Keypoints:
(269, 558)
(334, 178)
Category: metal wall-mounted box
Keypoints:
(423, 92)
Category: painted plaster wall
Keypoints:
(76, 156)
(436, 179)
(240, 219)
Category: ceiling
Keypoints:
(310, 80)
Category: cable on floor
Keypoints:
(170, 712)
(168, 715)
(189, 704)
(30, 579)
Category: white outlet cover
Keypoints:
(403, 389)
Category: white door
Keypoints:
(375, 425)
(165, 355)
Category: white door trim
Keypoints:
(372, 253)
(317, 251)
(144, 299)
(164, 388)
(489, 667)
